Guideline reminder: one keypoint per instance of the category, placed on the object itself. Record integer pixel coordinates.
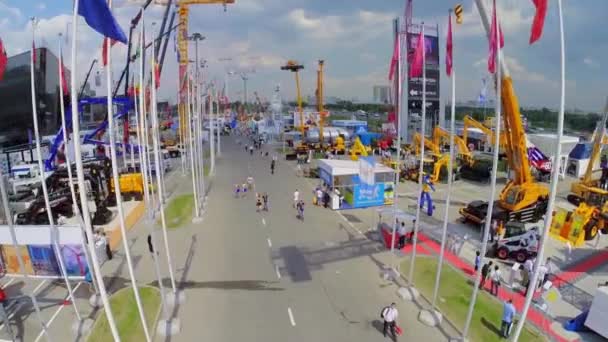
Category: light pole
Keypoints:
(197, 174)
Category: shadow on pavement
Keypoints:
(298, 262)
(247, 285)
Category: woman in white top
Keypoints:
(495, 277)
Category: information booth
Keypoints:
(347, 191)
(386, 223)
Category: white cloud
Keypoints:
(590, 62)
(519, 72)
(41, 6)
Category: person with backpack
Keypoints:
(389, 314)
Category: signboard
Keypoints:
(431, 45)
(367, 196)
(366, 170)
(35, 244)
(432, 85)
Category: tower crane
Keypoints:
(295, 67)
(320, 108)
(182, 43)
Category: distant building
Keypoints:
(381, 94)
(16, 99)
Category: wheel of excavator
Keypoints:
(591, 230)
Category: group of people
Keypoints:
(489, 270)
(241, 190)
(261, 202)
(544, 271)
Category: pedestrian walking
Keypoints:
(402, 235)
(477, 261)
(296, 198)
(250, 183)
(548, 270)
(389, 314)
(508, 311)
(251, 150)
(542, 273)
(495, 277)
(244, 190)
(485, 269)
(272, 165)
(527, 273)
(265, 200)
(258, 203)
(237, 190)
(107, 243)
(319, 194)
(300, 208)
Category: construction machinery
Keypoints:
(469, 122)
(522, 198)
(433, 163)
(358, 149)
(319, 93)
(295, 67)
(591, 198)
(588, 189)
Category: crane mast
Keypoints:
(522, 190)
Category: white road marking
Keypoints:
(269, 242)
(276, 268)
(39, 286)
(8, 283)
(263, 221)
(293, 322)
(48, 324)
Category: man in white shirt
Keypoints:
(296, 197)
(495, 277)
(390, 314)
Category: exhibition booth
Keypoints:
(348, 191)
(386, 223)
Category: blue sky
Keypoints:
(354, 38)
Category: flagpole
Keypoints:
(219, 130)
(421, 167)
(211, 136)
(181, 131)
(448, 198)
(554, 178)
(160, 190)
(81, 183)
(192, 159)
(117, 190)
(45, 191)
(199, 124)
(397, 109)
(142, 124)
(490, 210)
(68, 162)
(16, 246)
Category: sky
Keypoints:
(354, 37)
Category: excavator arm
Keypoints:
(440, 136)
(428, 143)
(470, 122)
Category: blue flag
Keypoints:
(98, 16)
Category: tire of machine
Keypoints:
(591, 230)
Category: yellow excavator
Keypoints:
(488, 132)
(434, 162)
(591, 214)
(441, 137)
(522, 198)
(358, 149)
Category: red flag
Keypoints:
(539, 20)
(493, 42)
(104, 50)
(62, 79)
(394, 60)
(3, 60)
(417, 61)
(34, 52)
(448, 48)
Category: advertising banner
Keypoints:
(366, 170)
(368, 196)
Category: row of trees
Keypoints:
(543, 118)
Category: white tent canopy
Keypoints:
(337, 167)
